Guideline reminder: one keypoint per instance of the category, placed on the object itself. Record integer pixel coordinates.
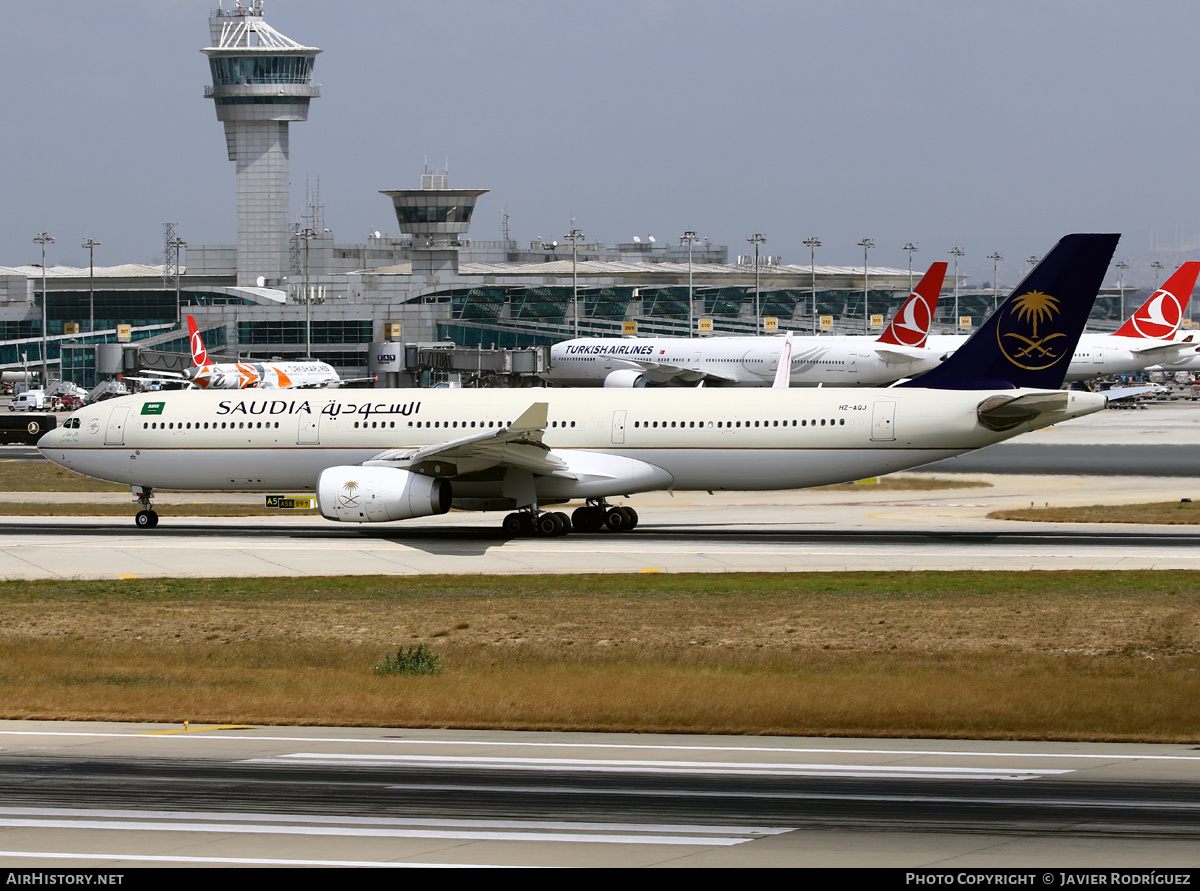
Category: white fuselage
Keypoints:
(263, 375)
(613, 442)
(1096, 355)
(739, 361)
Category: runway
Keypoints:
(124, 795)
(1157, 454)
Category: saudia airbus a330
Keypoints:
(752, 361)
(379, 455)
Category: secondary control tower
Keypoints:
(437, 217)
(261, 82)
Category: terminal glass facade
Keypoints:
(324, 331)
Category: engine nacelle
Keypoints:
(625, 377)
(379, 494)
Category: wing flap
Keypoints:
(518, 446)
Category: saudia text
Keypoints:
(304, 407)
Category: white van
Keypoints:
(30, 400)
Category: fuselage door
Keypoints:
(115, 434)
(1097, 355)
(852, 363)
(309, 432)
(883, 421)
(618, 427)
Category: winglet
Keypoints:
(199, 353)
(910, 326)
(1159, 316)
(783, 374)
(1029, 340)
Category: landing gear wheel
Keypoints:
(512, 524)
(548, 525)
(146, 519)
(632, 516)
(616, 519)
(588, 519)
(564, 523)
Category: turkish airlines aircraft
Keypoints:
(209, 375)
(753, 361)
(1145, 340)
(380, 455)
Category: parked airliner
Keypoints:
(387, 454)
(209, 375)
(1145, 340)
(752, 361)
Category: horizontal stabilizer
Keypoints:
(1004, 413)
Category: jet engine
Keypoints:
(377, 494)
(625, 377)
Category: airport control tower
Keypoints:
(437, 217)
(261, 82)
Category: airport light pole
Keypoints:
(957, 252)
(1158, 268)
(308, 235)
(813, 243)
(689, 238)
(995, 257)
(179, 244)
(44, 239)
(756, 239)
(866, 244)
(91, 244)
(575, 236)
(1033, 261)
(912, 248)
(1121, 284)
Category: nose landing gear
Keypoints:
(146, 518)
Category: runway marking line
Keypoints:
(198, 729)
(250, 861)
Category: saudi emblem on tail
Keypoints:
(1029, 340)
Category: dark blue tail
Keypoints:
(1029, 340)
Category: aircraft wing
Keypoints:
(1119, 394)
(1165, 352)
(518, 446)
(661, 372)
(900, 355)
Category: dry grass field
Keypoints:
(1085, 655)
(1169, 513)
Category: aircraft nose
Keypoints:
(49, 440)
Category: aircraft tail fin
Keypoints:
(199, 353)
(910, 326)
(1159, 317)
(1029, 340)
(783, 374)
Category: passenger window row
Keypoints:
(814, 422)
(240, 425)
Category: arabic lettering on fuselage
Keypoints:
(601, 349)
(305, 407)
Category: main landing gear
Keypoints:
(592, 517)
(146, 518)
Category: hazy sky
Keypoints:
(992, 126)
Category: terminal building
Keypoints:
(287, 289)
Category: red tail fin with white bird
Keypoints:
(910, 327)
(1159, 316)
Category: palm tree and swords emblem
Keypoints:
(348, 497)
(1030, 351)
